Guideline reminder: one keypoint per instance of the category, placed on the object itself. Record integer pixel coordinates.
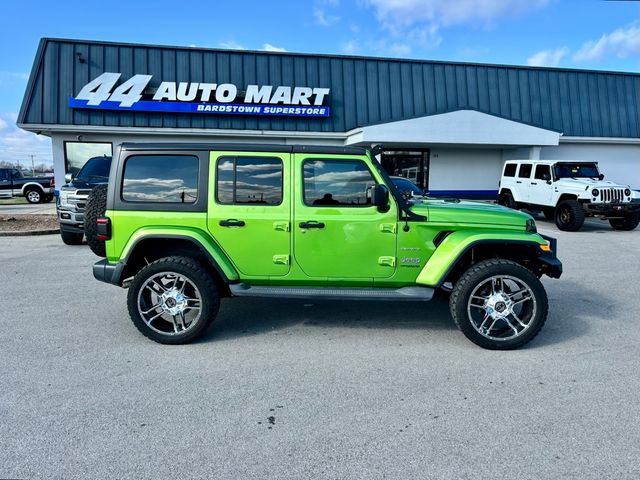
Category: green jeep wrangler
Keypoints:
(185, 225)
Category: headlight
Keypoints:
(531, 226)
(595, 192)
(64, 197)
(627, 192)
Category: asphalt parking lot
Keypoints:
(290, 389)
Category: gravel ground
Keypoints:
(291, 389)
(27, 222)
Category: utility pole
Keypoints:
(33, 166)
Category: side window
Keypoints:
(249, 180)
(4, 175)
(336, 182)
(510, 169)
(541, 171)
(525, 170)
(160, 179)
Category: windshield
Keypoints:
(96, 167)
(576, 170)
(405, 185)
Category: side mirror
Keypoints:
(380, 196)
(601, 176)
(68, 177)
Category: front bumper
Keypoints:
(548, 262)
(108, 272)
(612, 209)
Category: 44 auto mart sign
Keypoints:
(104, 93)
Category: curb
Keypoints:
(29, 233)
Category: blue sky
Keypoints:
(591, 34)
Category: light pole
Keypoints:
(33, 166)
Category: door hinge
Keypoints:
(281, 259)
(281, 226)
(388, 227)
(387, 261)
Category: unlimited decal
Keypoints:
(194, 97)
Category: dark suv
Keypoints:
(73, 197)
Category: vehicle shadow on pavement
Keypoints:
(244, 316)
(572, 308)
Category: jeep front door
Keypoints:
(249, 212)
(337, 233)
(541, 189)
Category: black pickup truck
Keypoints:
(34, 189)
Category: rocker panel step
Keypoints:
(400, 294)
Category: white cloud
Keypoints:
(267, 47)
(16, 144)
(350, 47)
(323, 18)
(548, 58)
(231, 45)
(622, 43)
(13, 77)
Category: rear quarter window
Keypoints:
(525, 170)
(160, 179)
(510, 169)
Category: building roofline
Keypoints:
(334, 56)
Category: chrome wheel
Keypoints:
(501, 307)
(169, 303)
(33, 196)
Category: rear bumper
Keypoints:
(548, 262)
(108, 272)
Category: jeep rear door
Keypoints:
(249, 211)
(523, 182)
(337, 234)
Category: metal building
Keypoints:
(447, 126)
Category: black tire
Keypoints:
(33, 195)
(629, 222)
(569, 216)
(549, 214)
(96, 206)
(47, 198)
(71, 238)
(473, 278)
(162, 330)
(506, 200)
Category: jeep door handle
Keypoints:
(518, 181)
(311, 224)
(231, 222)
(534, 183)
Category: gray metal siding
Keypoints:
(364, 91)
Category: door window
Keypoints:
(249, 180)
(543, 172)
(337, 183)
(525, 170)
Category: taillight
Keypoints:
(52, 182)
(104, 229)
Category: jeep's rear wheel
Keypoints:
(173, 300)
(499, 305)
(569, 216)
(506, 200)
(629, 222)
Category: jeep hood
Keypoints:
(583, 183)
(460, 212)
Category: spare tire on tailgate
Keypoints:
(96, 207)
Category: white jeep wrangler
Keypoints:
(567, 191)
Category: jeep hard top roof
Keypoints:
(245, 147)
(551, 162)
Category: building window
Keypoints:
(76, 154)
(510, 169)
(337, 183)
(525, 170)
(160, 179)
(249, 180)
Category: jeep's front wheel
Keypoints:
(629, 222)
(569, 216)
(499, 305)
(173, 300)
